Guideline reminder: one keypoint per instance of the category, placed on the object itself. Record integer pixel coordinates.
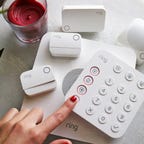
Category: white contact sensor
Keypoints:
(65, 44)
(83, 18)
(38, 80)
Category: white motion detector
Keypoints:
(83, 18)
(65, 44)
(135, 37)
(38, 80)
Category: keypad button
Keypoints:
(90, 110)
(140, 84)
(103, 91)
(133, 97)
(115, 99)
(94, 71)
(88, 80)
(129, 76)
(108, 109)
(121, 117)
(127, 107)
(102, 119)
(115, 128)
(109, 81)
(96, 100)
(117, 69)
(81, 89)
(121, 89)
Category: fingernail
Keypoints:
(67, 143)
(73, 99)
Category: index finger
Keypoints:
(59, 116)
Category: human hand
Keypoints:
(28, 127)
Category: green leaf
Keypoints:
(3, 11)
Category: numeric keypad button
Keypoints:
(121, 117)
(115, 128)
(96, 100)
(103, 91)
(127, 107)
(88, 80)
(109, 81)
(94, 71)
(108, 109)
(140, 84)
(129, 76)
(117, 68)
(102, 119)
(90, 110)
(121, 89)
(115, 99)
(81, 89)
(133, 97)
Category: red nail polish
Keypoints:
(66, 143)
(73, 98)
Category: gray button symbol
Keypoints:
(76, 37)
(66, 27)
(46, 69)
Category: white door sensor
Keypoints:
(83, 18)
(38, 80)
(65, 44)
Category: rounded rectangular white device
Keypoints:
(83, 18)
(38, 80)
(110, 93)
(65, 44)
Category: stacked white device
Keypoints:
(83, 18)
(65, 44)
(109, 93)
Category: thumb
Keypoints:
(61, 141)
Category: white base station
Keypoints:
(74, 127)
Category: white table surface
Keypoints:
(18, 57)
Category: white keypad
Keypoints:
(110, 93)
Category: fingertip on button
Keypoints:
(74, 98)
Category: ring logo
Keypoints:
(72, 126)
